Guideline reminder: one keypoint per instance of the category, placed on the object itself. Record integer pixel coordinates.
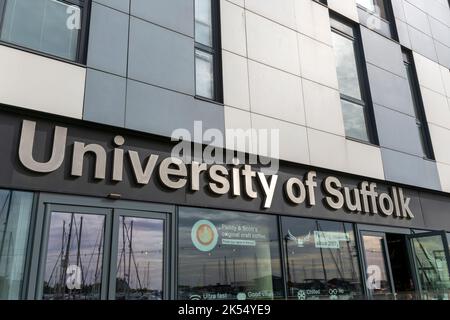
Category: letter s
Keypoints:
(335, 199)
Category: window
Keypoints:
(208, 69)
(356, 108)
(49, 26)
(377, 7)
(378, 15)
(15, 214)
(228, 255)
(321, 260)
(419, 112)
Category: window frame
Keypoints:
(345, 28)
(215, 51)
(83, 37)
(416, 94)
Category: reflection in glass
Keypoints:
(415, 97)
(378, 281)
(15, 213)
(354, 120)
(73, 269)
(346, 67)
(140, 259)
(41, 25)
(204, 74)
(432, 267)
(228, 255)
(374, 6)
(321, 260)
(203, 22)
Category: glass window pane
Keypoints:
(15, 213)
(203, 22)
(49, 26)
(354, 121)
(228, 255)
(347, 70)
(368, 4)
(73, 269)
(378, 281)
(204, 74)
(322, 260)
(140, 259)
(374, 6)
(415, 96)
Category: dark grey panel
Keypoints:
(382, 52)
(159, 111)
(161, 57)
(408, 169)
(177, 15)
(397, 131)
(108, 40)
(122, 5)
(104, 100)
(437, 210)
(390, 90)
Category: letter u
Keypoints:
(27, 143)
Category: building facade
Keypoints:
(344, 104)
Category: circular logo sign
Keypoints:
(204, 235)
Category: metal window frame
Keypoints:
(421, 118)
(215, 51)
(81, 54)
(366, 97)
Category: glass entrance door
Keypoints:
(377, 266)
(139, 261)
(75, 260)
(431, 261)
(103, 253)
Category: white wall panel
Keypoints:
(34, 82)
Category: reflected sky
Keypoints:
(143, 269)
(347, 70)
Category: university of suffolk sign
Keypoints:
(220, 180)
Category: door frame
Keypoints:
(412, 254)
(39, 236)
